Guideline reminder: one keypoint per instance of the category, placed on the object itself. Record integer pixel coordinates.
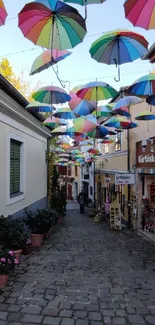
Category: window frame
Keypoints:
(15, 193)
(13, 198)
(118, 141)
(106, 148)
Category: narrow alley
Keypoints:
(83, 275)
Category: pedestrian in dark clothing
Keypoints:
(81, 200)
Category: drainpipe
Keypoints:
(47, 157)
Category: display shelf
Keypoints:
(115, 216)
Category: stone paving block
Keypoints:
(50, 311)
(79, 306)
(94, 316)
(108, 312)
(80, 314)
(107, 320)
(65, 305)
(3, 307)
(32, 319)
(120, 312)
(137, 319)
(3, 315)
(66, 313)
(150, 319)
(51, 320)
(68, 321)
(14, 317)
(81, 322)
(91, 307)
(14, 308)
(35, 310)
(119, 321)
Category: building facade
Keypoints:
(23, 146)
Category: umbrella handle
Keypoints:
(119, 76)
(85, 9)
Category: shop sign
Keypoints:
(145, 155)
(124, 179)
(107, 179)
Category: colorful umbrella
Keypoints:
(107, 141)
(51, 95)
(103, 111)
(76, 151)
(3, 13)
(118, 47)
(60, 130)
(117, 122)
(124, 111)
(141, 13)
(144, 86)
(59, 150)
(47, 59)
(65, 113)
(81, 137)
(85, 3)
(151, 100)
(53, 122)
(39, 107)
(98, 133)
(93, 151)
(145, 116)
(74, 91)
(82, 107)
(55, 26)
(85, 124)
(96, 91)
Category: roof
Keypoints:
(150, 51)
(6, 86)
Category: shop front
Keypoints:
(145, 171)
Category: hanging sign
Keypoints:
(124, 179)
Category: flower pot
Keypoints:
(17, 254)
(27, 250)
(3, 280)
(37, 240)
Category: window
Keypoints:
(76, 172)
(106, 148)
(118, 142)
(69, 171)
(91, 190)
(15, 150)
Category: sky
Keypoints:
(78, 68)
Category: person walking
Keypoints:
(81, 200)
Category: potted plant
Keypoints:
(38, 224)
(7, 262)
(13, 236)
(27, 247)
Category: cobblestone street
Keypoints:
(83, 275)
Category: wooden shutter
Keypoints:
(14, 166)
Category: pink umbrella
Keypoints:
(141, 13)
(3, 13)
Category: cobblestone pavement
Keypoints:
(83, 275)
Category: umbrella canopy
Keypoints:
(3, 13)
(96, 91)
(85, 124)
(117, 122)
(107, 141)
(65, 113)
(145, 116)
(85, 143)
(118, 47)
(39, 107)
(76, 151)
(82, 107)
(60, 130)
(98, 133)
(143, 86)
(124, 111)
(93, 151)
(52, 24)
(103, 111)
(126, 101)
(85, 2)
(57, 150)
(53, 122)
(51, 95)
(151, 100)
(74, 91)
(47, 59)
(141, 13)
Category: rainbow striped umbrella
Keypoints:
(53, 122)
(65, 113)
(3, 13)
(144, 86)
(57, 150)
(76, 151)
(117, 122)
(93, 151)
(51, 95)
(52, 24)
(47, 59)
(82, 107)
(98, 133)
(107, 141)
(145, 116)
(141, 13)
(38, 107)
(103, 111)
(74, 91)
(96, 91)
(123, 111)
(151, 100)
(118, 47)
(85, 124)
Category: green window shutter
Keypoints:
(14, 166)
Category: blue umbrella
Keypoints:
(122, 106)
(65, 113)
(144, 86)
(82, 107)
(151, 100)
(39, 107)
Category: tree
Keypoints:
(17, 81)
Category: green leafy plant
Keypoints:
(41, 221)
(14, 234)
(7, 261)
